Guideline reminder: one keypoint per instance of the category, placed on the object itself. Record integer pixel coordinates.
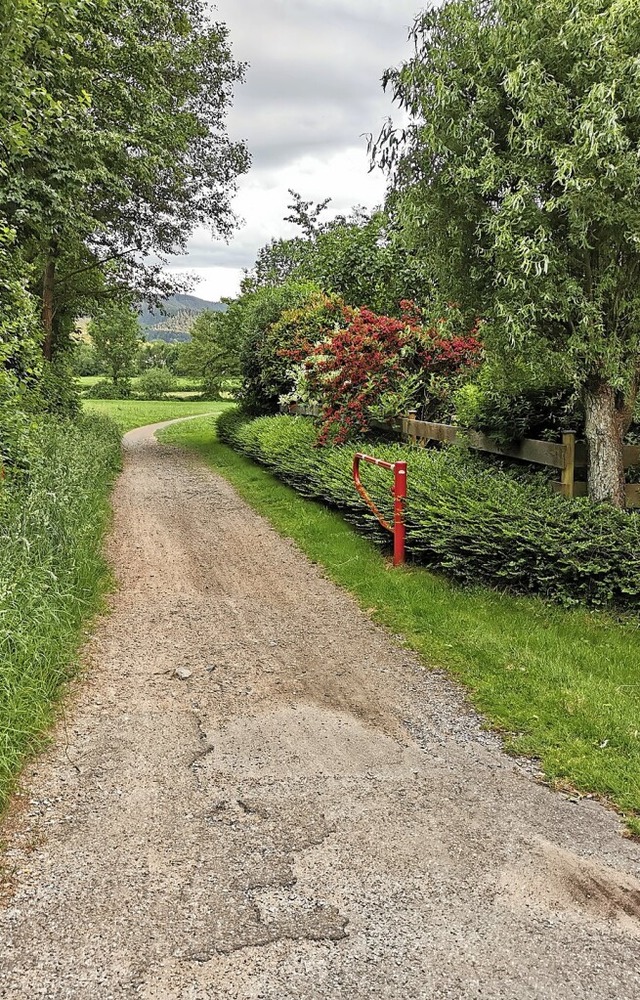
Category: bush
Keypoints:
(57, 390)
(106, 389)
(370, 366)
(264, 373)
(479, 525)
(513, 402)
(155, 383)
(52, 519)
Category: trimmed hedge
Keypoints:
(479, 525)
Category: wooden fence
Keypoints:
(569, 457)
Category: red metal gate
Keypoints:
(397, 529)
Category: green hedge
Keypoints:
(52, 520)
(479, 524)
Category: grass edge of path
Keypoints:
(580, 726)
(62, 586)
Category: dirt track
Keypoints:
(307, 815)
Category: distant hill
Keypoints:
(174, 319)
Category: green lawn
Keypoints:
(130, 413)
(563, 686)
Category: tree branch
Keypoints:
(98, 264)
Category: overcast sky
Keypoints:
(312, 92)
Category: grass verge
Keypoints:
(52, 575)
(130, 413)
(561, 685)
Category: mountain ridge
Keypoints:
(175, 304)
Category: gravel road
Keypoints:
(301, 811)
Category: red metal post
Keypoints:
(399, 497)
(397, 529)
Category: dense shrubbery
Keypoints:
(51, 571)
(263, 369)
(511, 402)
(479, 525)
(106, 389)
(358, 365)
(155, 383)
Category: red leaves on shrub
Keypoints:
(348, 374)
(450, 355)
(349, 369)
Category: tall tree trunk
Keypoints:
(607, 418)
(48, 309)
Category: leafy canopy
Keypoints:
(518, 176)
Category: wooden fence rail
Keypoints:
(568, 457)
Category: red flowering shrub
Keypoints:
(347, 372)
(380, 366)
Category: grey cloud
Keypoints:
(204, 252)
(315, 69)
(312, 92)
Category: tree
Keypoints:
(518, 180)
(20, 354)
(213, 353)
(115, 148)
(115, 333)
(358, 257)
(159, 354)
(84, 359)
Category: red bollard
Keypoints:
(399, 497)
(398, 529)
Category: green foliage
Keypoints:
(479, 525)
(265, 376)
(52, 573)
(84, 360)
(360, 258)
(155, 383)
(106, 389)
(516, 402)
(20, 355)
(57, 393)
(115, 333)
(160, 354)
(213, 354)
(518, 179)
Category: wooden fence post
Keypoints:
(411, 416)
(569, 472)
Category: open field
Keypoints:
(562, 686)
(130, 413)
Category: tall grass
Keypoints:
(52, 573)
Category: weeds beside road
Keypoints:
(52, 574)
